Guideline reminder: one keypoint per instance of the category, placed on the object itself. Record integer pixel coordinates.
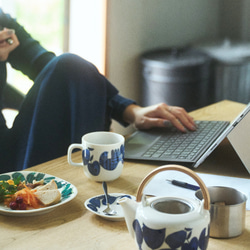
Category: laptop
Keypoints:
(191, 148)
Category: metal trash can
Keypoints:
(230, 69)
(176, 76)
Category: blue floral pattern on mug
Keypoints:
(94, 167)
(182, 239)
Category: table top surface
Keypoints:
(72, 226)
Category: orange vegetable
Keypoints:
(29, 197)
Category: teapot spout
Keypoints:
(129, 209)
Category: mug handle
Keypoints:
(70, 149)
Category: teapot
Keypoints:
(168, 222)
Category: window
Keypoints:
(87, 30)
(76, 26)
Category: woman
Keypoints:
(68, 99)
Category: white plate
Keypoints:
(97, 204)
(68, 192)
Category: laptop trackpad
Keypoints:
(138, 143)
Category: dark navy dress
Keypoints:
(68, 99)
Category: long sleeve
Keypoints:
(29, 57)
(117, 105)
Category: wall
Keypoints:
(135, 26)
(235, 19)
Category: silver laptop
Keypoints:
(191, 148)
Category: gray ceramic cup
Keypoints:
(227, 211)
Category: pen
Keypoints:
(184, 184)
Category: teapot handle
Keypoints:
(185, 170)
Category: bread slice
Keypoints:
(48, 197)
(49, 186)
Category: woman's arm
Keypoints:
(29, 57)
(5, 47)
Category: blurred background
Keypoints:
(188, 53)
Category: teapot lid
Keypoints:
(170, 205)
(183, 169)
(171, 210)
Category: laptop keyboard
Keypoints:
(184, 146)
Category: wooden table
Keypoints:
(71, 226)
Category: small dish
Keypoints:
(97, 204)
(68, 192)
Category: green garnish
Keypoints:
(17, 180)
(7, 189)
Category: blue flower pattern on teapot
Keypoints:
(155, 239)
(110, 164)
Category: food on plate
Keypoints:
(50, 186)
(21, 196)
(8, 188)
(24, 196)
(48, 197)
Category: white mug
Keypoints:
(102, 155)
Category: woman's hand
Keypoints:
(5, 46)
(160, 115)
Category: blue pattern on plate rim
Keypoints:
(96, 202)
(64, 187)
